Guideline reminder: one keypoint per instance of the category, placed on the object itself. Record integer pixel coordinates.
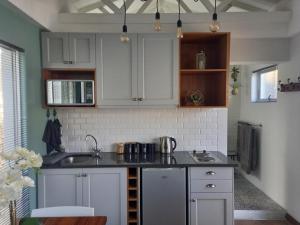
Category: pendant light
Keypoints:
(157, 26)
(124, 36)
(215, 25)
(179, 33)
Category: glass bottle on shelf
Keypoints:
(201, 60)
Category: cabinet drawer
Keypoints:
(213, 173)
(221, 186)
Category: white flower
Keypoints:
(11, 155)
(27, 182)
(13, 175)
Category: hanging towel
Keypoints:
(247, 147)
(52, 136)
(47, 136)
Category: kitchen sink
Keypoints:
(77, 159)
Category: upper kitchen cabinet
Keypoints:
(68, 50)
(116, 74)
(143, 72)
(158, 69)
(204, 66)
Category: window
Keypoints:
(264, 84)
(13, 122)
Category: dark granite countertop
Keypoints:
(111, 159)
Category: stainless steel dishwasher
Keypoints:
(163, 196)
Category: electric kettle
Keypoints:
(167, 145)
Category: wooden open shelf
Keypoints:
(211, 81)
(133, 210)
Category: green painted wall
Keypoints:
(17, 30)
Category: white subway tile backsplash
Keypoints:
(193, 128)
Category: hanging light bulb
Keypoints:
(157, 26)
(215, 25)
(124, 36)
(179, 33)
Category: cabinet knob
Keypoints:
(211, 186)
(84, 175)
(210, 173)
(193, 200)
(71, 62)
(140, 99)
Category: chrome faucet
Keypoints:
(95, 150)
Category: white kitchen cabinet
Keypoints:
(211, 208)
(60, 187)
(116, 71)
(104, 189)
(211, 195)
(143, 72)
(68, 50)
(158, 69)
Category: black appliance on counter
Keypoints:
(139, 152)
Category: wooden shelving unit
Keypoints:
(133, 188)
(212, 81)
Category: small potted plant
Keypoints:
(12, 181)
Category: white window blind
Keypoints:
(13, 131)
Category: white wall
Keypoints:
(279, 172)
(193, 128)
(234, 110)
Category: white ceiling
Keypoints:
(171, 6)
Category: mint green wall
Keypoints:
(17, 30)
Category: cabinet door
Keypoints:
(55, 50)
(116, 70)
(60, 187)
(82, 50)
(158, 69)
(211, 208)
(105, 190)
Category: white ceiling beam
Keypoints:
(128, 3)
(144, 6)
(207, 4)
(260, 4)
(244, 5)
(112, 6)
(185, 6)
(224, 5)
(104, 10)
(282, 4)
(90, 7)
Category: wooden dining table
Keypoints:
(86, 220)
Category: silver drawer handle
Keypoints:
(211, 186)
(211, 173)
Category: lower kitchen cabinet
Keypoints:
(211, 208)
(211, 195)
(60, 187)
(103, 189)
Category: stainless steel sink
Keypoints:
(77, 159)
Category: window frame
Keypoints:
(258, 73)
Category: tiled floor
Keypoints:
(261, 222)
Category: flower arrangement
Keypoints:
(12, 181)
